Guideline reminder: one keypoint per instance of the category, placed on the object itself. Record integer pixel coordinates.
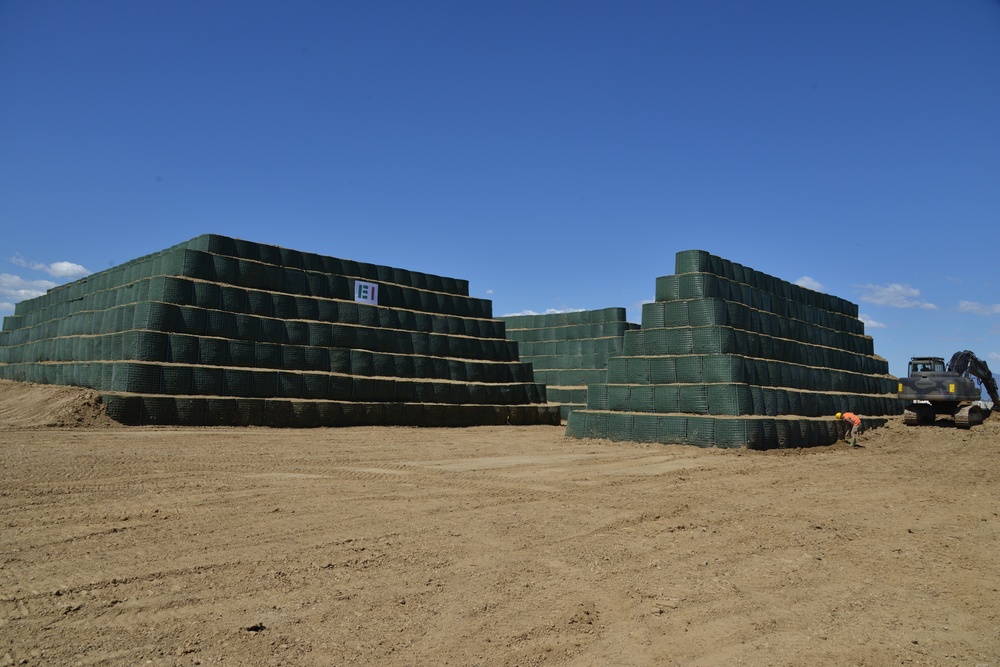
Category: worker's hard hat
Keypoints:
(837, 415)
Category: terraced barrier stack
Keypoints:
(221, 331)
(731, 357)
(569, 351)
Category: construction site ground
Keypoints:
(487, 546)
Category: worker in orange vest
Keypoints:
(855, 423)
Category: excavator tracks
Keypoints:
(917, 414)
(968, 417)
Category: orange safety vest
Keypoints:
(853, 418)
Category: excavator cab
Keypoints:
(919, 365)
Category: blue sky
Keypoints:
(557, 154)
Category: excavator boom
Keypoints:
(967, 363)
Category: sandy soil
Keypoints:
(487, 546)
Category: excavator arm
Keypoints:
(967, 363)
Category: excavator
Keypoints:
(956, 389)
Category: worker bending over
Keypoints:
(855, 423)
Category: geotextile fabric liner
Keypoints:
(213, 323)
(728, 356)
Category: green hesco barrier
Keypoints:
(724, 368)
(704, 312)
(565, 409)
(205, 295)
(655, 341)
(705, 285)
(679, 341)
(316, 385)
(237, 382)
(689, 368)
(637, 371)
(645, 428)
(692, 398)
(618, 370)
(620, 426)
(668, 288)
(569, 351)
(183, 349)
(641, 398)
(136, 378)
(193, 411)
(598, 397)
(241, 353)
(594, 425)
(725, 340)
(208, 381)
(666, 398)
(256, 307)
(672, 429)
(177, 379)
(634, 342)
(662, 370)
(692, 261)
(215, 352)
(701, 431)
(653, 315)
(618, 397)
(729, 356)
(572, 395)
(731, 399)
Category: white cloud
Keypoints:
(809, 283)
(6, 307)
(55, 269)
(550, 311)
(894, 295)
(15, 288)
(66, 270)
(979, 308)
(489, 291)
(993, 356)
(870, 323)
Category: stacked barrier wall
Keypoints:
(569, 351)
(224, 331)
(730, 357)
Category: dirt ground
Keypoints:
(487, 546)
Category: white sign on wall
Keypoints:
(365, 292)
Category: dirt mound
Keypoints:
(28, 405)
